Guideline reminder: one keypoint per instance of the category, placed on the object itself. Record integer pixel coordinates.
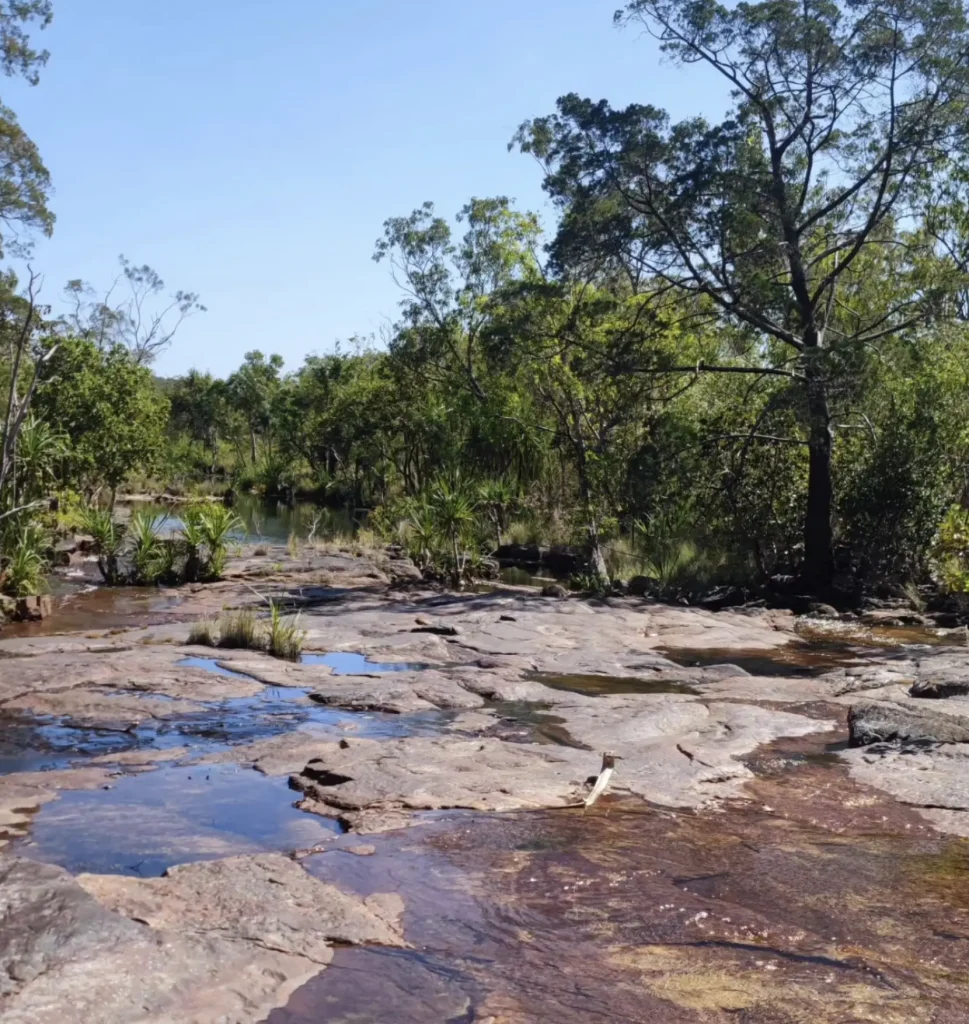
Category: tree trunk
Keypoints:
(597, 561)
(818, 530)
(252, 442)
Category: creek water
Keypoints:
(816, 903)
(272, 522)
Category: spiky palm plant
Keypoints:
(22, 565)
(108, 537)
(453, 512)
(193, 538)
(38, 449)
(498, 497)
(147, 555)
(217, 523)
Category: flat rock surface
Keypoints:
(504, 707)
(229, 943)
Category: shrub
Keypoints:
(950, 553)
(24, 566)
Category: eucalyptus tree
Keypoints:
(842, 121)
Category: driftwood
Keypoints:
(608, 767)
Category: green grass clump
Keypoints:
(284, 638)
(202, 634)
(239, 631)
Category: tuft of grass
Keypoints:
(202, 634)
(239, 631)
(284, 638)
(292, 546)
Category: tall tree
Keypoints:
(252, 388)
(842, 120)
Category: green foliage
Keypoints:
(217, 523)
(239, 630)
(108, 536)
(147, 549)
(284, 638)
(23, 566)
(110, 407)
(950, 552)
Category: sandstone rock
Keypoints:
(943, 674)
(936, 689)
(438, 629)
(428, 773)
(66, 958)
(267, 898)
(893, 723)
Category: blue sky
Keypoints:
(251, 152)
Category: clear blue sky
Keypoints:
(251, 151)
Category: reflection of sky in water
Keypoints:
(146, 823)
(346, 663)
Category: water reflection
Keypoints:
(274, 522)
(348, 663)
(146, 823)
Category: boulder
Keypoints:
(642, 586)
(892, 723)
(518, 554)
(939, 689)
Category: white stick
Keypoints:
(608, 767)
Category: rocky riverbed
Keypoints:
(393, 829)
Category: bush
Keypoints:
(950, 553)
(137, 554)
(23, 567)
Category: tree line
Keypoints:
(740, 348)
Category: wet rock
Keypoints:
(936, 689)
(893, 723)
(823, 611)
(554, 590)
(267, 897)
(428, 773)
(227, 943)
